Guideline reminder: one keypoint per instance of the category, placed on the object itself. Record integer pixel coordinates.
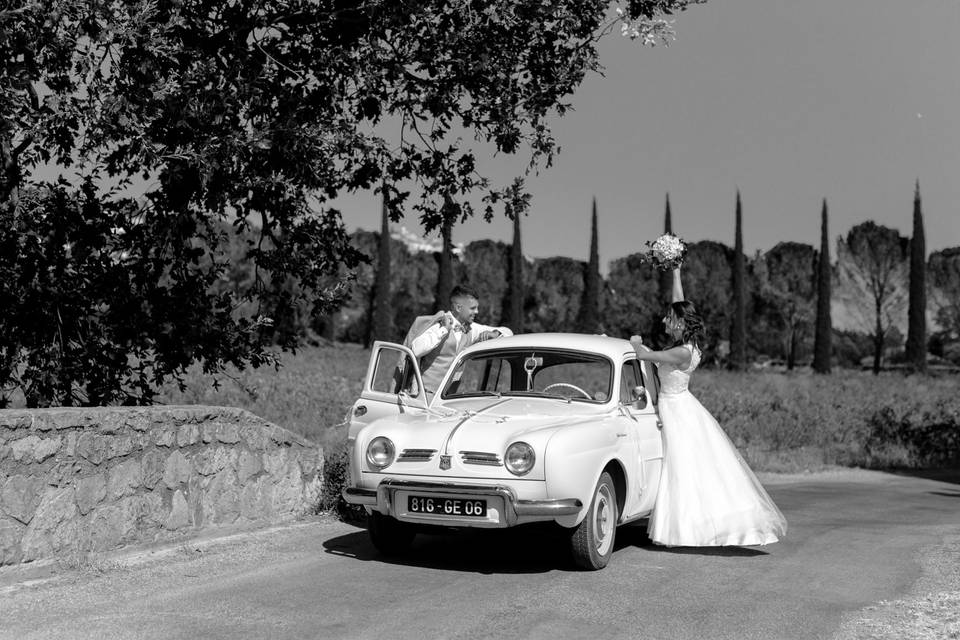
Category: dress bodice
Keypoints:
(674, 380)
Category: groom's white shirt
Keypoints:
(433, 336)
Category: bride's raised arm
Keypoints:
(677, 287)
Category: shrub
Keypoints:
(336, 475)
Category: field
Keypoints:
(310, 394)
(781, 422)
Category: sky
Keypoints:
(790, 102)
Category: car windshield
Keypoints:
(556, 373)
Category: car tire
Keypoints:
(592, 540)
(390, 536)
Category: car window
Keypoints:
(630, 379)
(394, 373)
(547, 372)
(476, 375)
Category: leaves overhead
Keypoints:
(194, 121)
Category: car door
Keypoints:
(393, 386)
(637, 393)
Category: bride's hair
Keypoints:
(693, 331)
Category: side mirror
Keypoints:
(639, 398)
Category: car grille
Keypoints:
(480, 457)
(416, 455)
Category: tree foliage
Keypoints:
(631, 300)
(916, 347)
(517, 292)
(181, 122)
(588, 320)
(738, 328)
(786, 280)
(445, 257)
(879, 259)
(823, 332)
(381, 325)
(944, 276)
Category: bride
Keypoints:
(708, 495)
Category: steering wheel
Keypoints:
(567, 385)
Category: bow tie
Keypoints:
(465, 328)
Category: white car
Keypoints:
(534, 427)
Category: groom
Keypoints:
(437, 339)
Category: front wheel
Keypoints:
(592, 540)
(390, 536)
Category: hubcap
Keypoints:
(604, 520)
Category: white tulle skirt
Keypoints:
(708, 495)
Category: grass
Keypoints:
(309, 395)
(781, 422)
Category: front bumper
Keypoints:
(504, 509)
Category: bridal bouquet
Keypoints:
(666, 252)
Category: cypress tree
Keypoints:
(381, 325)
(823, 332)
(666, 278)
(917, 317)
(738, 334)
(589, 316)
(517, 290)
(445, 268)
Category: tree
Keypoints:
(823, 333)
(786, 278)
(944, 274)
(172, 118)
(557, 287)
(916, 346)
(879, 265)
(631, 299)
(707, 281)
(381, 325)
(445, 257)
(588, 320)
(738, 331)
(486, 268)
(517, 291)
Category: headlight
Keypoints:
(380, 452)
(519, 458)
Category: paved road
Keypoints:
(854, 540)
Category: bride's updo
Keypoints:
(693, 331)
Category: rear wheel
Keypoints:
(390, 536)
(592, 540)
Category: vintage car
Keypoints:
(534, 427)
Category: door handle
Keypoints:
(621, 435)
(360, 410)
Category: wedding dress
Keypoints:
(708, 496)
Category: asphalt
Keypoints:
(855, 539)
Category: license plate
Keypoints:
(470, 507)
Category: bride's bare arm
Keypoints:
(677, 286)
(676, 356)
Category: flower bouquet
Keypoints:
(666, 252)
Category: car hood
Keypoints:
(482, 425)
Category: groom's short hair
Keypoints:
(462, 291)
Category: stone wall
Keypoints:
(82, 480)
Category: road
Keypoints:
(855, 539)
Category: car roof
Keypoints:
(613, 348)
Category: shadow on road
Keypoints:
(533, 548)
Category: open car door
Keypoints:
(639, 393)
(393, 386)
